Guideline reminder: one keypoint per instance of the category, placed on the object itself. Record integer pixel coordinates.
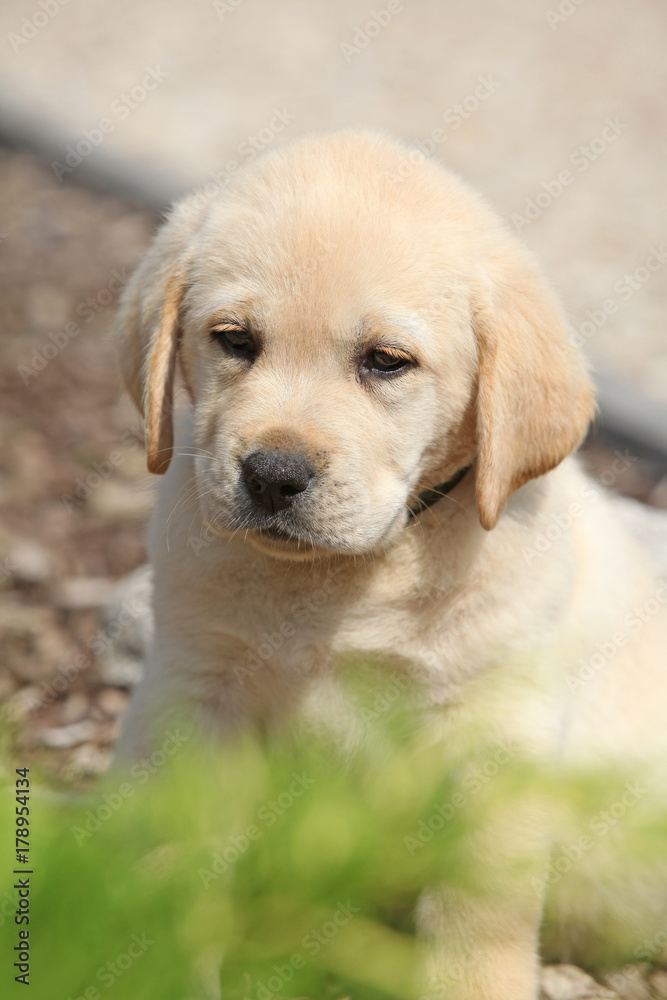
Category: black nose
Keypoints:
(274, 478)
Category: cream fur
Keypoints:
(323, 249)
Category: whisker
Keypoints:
(184, 502)
(186, 491)
(194, 454)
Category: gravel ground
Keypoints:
(74, 493)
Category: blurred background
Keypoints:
(554, 109)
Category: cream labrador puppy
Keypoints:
(382, 398)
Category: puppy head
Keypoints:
(352, 330)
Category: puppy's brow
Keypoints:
(233, 313)
(412, 326)
(228, 321)
(397, 334)
(209, 309)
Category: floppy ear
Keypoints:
(159, 381)
(535, 399)
(148, 330)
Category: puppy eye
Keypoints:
(235, 341)
(380, 362)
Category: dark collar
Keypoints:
(429, 497)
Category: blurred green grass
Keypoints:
(257, 872)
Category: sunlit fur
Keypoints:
(323, 250)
